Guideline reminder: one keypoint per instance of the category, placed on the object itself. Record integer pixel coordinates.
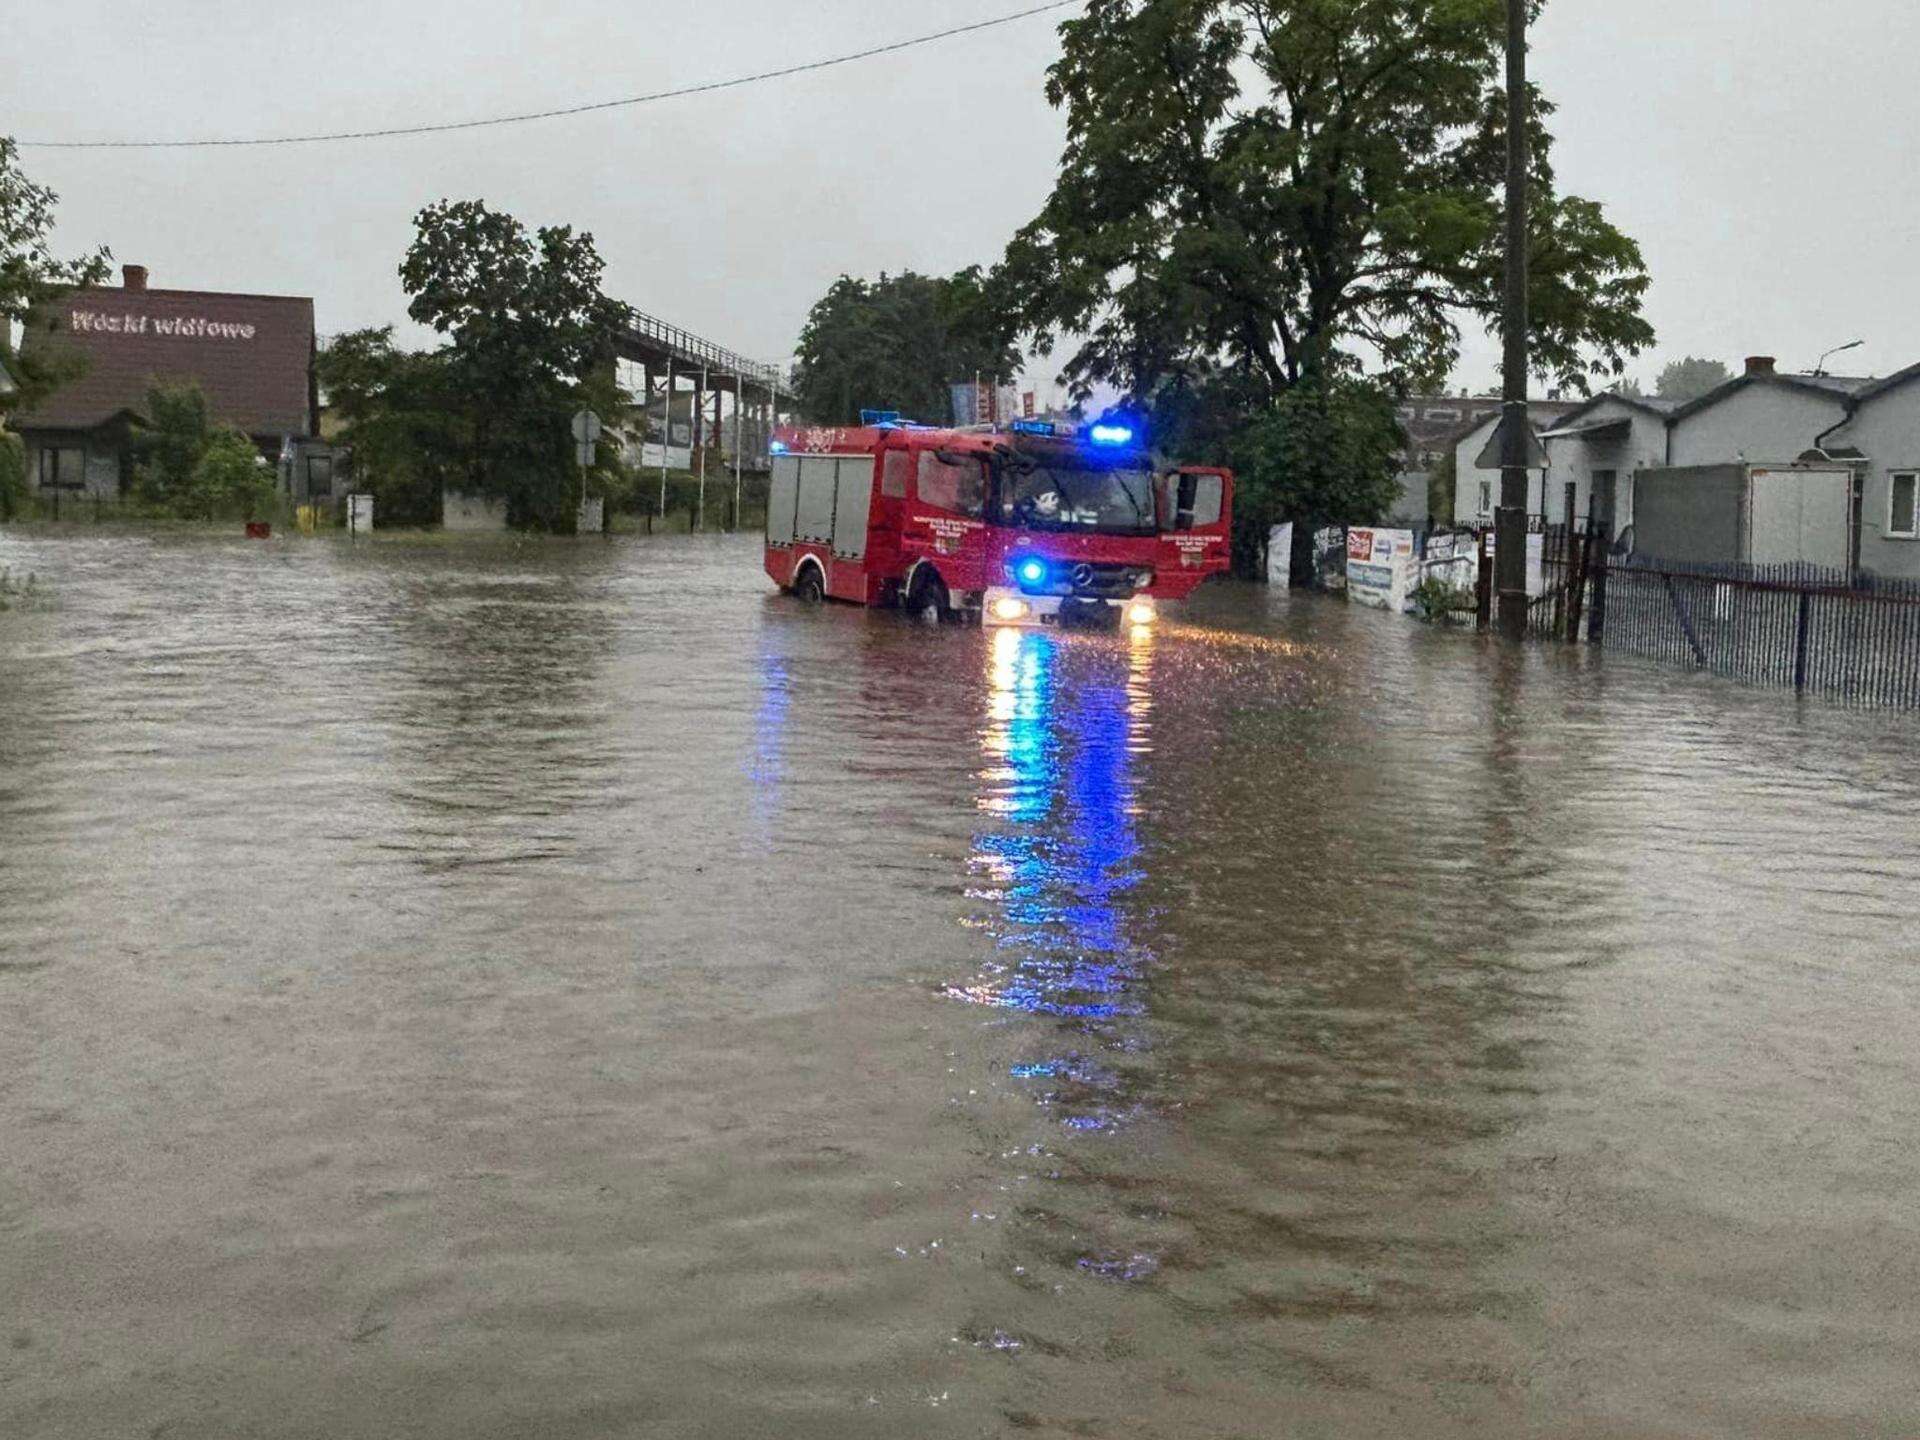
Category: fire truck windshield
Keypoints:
(1060, 495)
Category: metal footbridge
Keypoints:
(700, 393)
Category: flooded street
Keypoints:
(500, 989)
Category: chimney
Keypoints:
(1759, 366)
(134, 277)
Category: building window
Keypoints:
(1486, 497)
(1903, 504)
(63, 468)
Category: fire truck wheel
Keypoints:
(928, 599)
(807, 587)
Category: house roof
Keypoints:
(1539, 412)
(1840, 387)
(251, 354)
(1880, 387)
(1618, 428)
(1652, 404)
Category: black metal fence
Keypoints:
(1829, 632)
(1836, 633)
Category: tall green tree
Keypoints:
(1301, 185)
(1690, 378)
(528, 331)
(400, 412)
(1259, 195)
(900, 343)
(32, 276)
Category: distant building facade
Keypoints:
(1432, 423)
(252, 356)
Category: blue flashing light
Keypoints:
(777, 447)
(1110, 434)
(1032, 571)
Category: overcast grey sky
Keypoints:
(1760, 150)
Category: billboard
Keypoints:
(1381, 568)
(980, 402)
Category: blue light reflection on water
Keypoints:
(1064, 850)
(768, 761)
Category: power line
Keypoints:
(705, 89)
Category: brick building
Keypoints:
(252, 356)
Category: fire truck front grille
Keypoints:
(1106, 582)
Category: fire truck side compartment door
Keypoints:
(813, 517)
(783, 498)
(850, 510)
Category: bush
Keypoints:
(14, 591)
(1436, 599)
(13, 476)
(229, 476)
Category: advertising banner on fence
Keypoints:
(1452, 558)
(1280, 556)
(1330, 558)
(1536, 563)
(1381, 568)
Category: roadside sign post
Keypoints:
(586, 434)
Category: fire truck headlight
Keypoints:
(1008, 608)
(1031, 571)
(1141, 612)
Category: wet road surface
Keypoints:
(510, 989)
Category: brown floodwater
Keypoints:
(562, 989)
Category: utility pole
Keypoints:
(1510, 518)
(666, 439)
(699, 425)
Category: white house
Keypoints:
(1760, 418)
(1476, 491)
(1600, 447)
(1880, 439)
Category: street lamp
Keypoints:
(1820, 365)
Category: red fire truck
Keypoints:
(1023, 524)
